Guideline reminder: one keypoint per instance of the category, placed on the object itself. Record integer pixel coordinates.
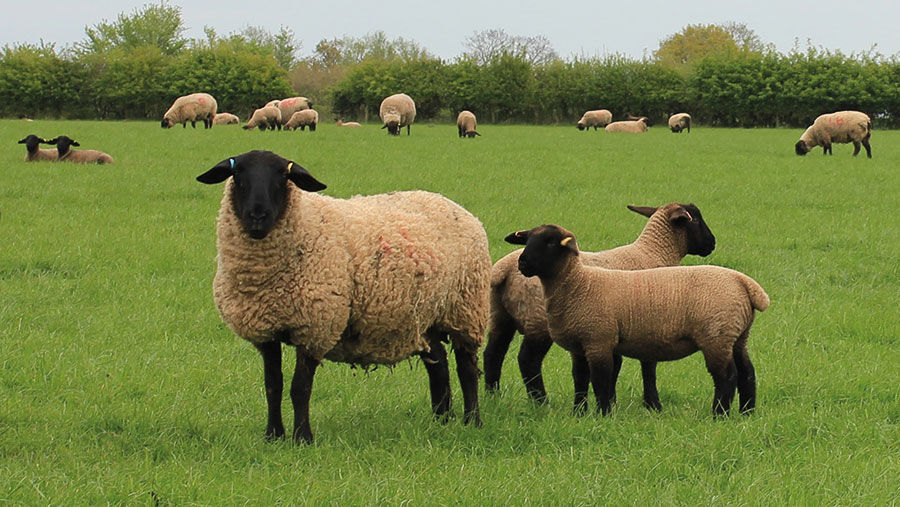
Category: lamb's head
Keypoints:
(687, 222)
(32, 141)
(62, 144)
(801, 148)
(546, 248)
(259, 190)
(392, 123)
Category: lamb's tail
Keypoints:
(758, 297)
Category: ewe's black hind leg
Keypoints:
(274, 381)
(531, 357)
(724, 374)
(651, 395)
(581, 374)
(499, 337)
(855, 148)
(746, 378)
(467, 371)
(301, 389)
(438, 376)
(865, 142)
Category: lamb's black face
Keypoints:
(260, 187)
(62, 144)
(545, 246)
(700, 240)
(801, 148)
(31, 142)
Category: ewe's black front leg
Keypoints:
(438, 377)
(193, 124)
(274, 381)
(581, 375)
(865, 143)
(531, 357)
(651, 395)
(301, 388)
(467, 371)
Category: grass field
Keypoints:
(120, 384)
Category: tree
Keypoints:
(693, 44)
(372, 46)
(282, 44)
(746, 38)
(487, 45)
(155, 25)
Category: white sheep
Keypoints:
(366, 280)
(191, 108)
(659, 314)
(840, 127)
(291, 105)
(397, 111)
(638, 126)
(596, 118)
(64, 154)
(679, 122)
(267, 117)
(466, 123)
(226, 119)
(517, 303)
(302, 119)
(342, 123)
(36, 153)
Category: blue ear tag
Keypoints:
(232, 162)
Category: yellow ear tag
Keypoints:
(290, 164)
(565, 240)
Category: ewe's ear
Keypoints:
(647, 211)
(301, 177)
(680, 216)
(219, 173)
(518, 237)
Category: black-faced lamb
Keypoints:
(466, 124)
(597, 118)
(517, 303)
(302, 119)
(342, 123)
(267, 117)
(35, 152)
(226, 119)
(64, 154)
(366, 280)
(191, 108)
(840, 127)
(638, 126)
(397, 111)
(659, 314)
(679, 122)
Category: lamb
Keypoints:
(191, 108)
(397, 111)
(659, 314)
(517, 303)
(342, 123)
(839, 127)
(267, 117)
(36, 153)
(596, 118)
(366, 280)
(226, 119)
(638, 126)
(302, 119)
(679, 122)
(466, 124)
(291, 105)
(79, 156)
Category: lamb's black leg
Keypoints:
(601, 370)
(499, 337)
(531, 357)
(617, 367)
(438, 376)
(651, 395)
(724, 374)
(581, 374)
(274, 381)
(467, 371)
(746, 378)
(301, 388)
(193, 124)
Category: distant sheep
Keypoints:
(79, 156)
(191, 108)
(36, 153)
(638, 126)
(267, 117)
(291, 105)
(342, 123)
(679, 122)
(302, 119)
(840, 127)
(466, 124)
(397, 111)
(596, 118)
(226, 119)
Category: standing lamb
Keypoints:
(302, 119)
(397, 111)
(191, 108)
(366, 280)
(267, 117)
(840, 127)
(659, 314)
(638, 126)
(679, 122)
(466, 124)
(517, 303)
(597, 118)
(36, 153)
(79, 156)
(226, 119)
(291, 105)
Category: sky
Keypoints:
(574, 27)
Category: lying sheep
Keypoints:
(679, 122)
(659, 314)
(64, 154)
(840, 127)
(267, 117)
(517, 303)
(226, 119)
(638, 126)
(302, 119)
(366, 280)
(342, 123)
(597, 118)
(191, 108)
(36, 153)
(466, 124)
(291, 105)
(397, 111)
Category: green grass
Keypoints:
(120, 384)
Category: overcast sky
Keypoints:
(630, 27)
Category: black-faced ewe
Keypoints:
(679, 122)
(64, 154)
(266, 117)
(517, 303)
(366, 280)
(638, 126)
(302, 119)
(598, 118)
(840, 127)
(466, 124)
(35, 152)
(659, 314)
(191, 108)
(226, 119)
(397, 111)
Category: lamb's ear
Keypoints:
(53, 141)
(647, 211)
(518, 237)
(219, 173)
(301, 177)
(74, 143)
(570, 243)
(680, 216)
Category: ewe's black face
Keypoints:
(580, 126)
(545, 246)
(260, 187)
(700, 240)
(166, 123)
(393, 128)
(801, 148)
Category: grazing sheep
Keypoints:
(597, 118)
(638, 126)
(272, 103)
(659, 314)
(268, 117)
(397, 111)
(226, 119)
(366, 280)
(840, 127)
(517, 303)
(679, 122)
(342, 123)
(35, 153)
(466, 124)
(302, 119)
(291, 105)
(79, 156)
(190, 108)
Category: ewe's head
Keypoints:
(62, 144)
(392, 124)
(687, 222)
(580, 125)
(259, 189)
(801, 148)
(32, 141)
(167, 123)
(545, 247)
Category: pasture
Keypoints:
(120, 384)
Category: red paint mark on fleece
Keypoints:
(385, 247)
(201, 100)
(289, 102)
